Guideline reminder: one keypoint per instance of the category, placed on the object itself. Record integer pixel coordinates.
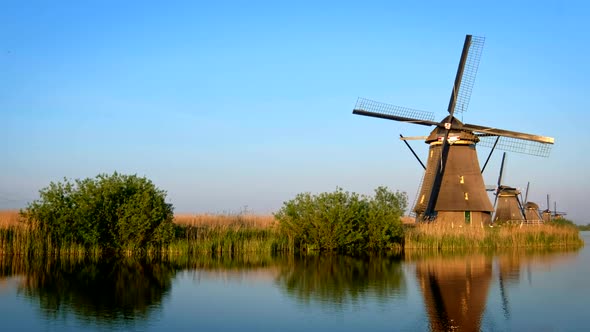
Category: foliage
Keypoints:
(111, 212)
(343, 221)
(584, 227)
(562, 222)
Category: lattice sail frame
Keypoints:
(515, 145)
(384, 108)
(469, 73)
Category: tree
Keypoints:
(112, 212)
(343, 221)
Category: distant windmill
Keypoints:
(531, 209)
(549, 215)
(507, 204)
(452, 188)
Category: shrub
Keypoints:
(343, 221)
(111, 212)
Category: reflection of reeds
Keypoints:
(445, 236)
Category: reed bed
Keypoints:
(229, 220)
(231, 234)
(9, 218)
(194, 234)
(452, 237)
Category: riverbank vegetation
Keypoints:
(453, 237)
(118, 214)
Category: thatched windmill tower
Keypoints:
(507, 204)
(452, 188)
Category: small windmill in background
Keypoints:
(549, 215)
(507, 205)
(531, 209)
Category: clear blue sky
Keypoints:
(232, 104)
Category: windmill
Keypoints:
(507, 205)
(549, 215)
(531, 209)
(452, 188)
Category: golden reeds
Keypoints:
(225, 220)
(457, 236)
(9, 218)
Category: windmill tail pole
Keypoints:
(490, 155)
(414, 153)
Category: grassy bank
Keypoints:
(194, 234)
(444, 236)
(246, 233)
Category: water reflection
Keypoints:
(105, 291)
(455, 286)
(337, 280)
(459, 292)
(455, 290)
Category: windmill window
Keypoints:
(467, 217)
(431, 153)
(466, 196)
(461, 179)
(422, 199)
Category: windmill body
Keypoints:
(508, 207)
(462, 194)
(531, 212)
(452, 187)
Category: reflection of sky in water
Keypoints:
(549, 295)
(545, 292)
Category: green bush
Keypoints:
(112, 212)
(343, 221)
(563, 222)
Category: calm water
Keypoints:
(503, 291)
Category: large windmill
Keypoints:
(452, 187)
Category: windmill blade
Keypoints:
(521, 207)
(501, 171)
(499, 185)
(466, 73)
(526, 195)
(377, 109)
(489, 131)
(513, 141)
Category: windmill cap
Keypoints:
(456, 135)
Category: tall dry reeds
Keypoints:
(461, 236)
(9, 218)
(225, 220)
